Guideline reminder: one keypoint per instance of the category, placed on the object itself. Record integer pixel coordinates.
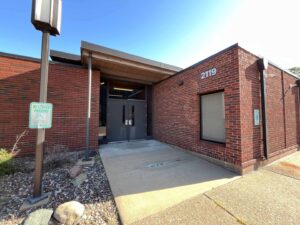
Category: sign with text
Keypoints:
(40, 115)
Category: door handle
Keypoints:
(128, 122)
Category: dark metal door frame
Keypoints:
(127, 101)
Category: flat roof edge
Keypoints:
(35, 60)
(16, 56)
(270, 62)
(65, 57)
(119, 54)
(55, 53)
(236, 45)
(207, 58)
(284, 70)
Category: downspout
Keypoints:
(298, 99)
(262, 67)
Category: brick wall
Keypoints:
(282, 110)
(251, 136)
(291, 107)
(67, 90)
(176, 109)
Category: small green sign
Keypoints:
(40, 115)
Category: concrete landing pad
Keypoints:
(147, 177)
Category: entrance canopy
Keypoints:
(113, 63)
(117, 64)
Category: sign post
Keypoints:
(39, 151)
(46, 17)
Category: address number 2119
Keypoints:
(209, 73)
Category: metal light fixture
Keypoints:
(46, 15)
(123, 89)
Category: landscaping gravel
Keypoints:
(94, 193)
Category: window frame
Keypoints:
(201, 124)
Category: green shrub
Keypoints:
(5, 162)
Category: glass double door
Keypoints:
(126, 119)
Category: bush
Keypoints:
(6, 156)
(5, 162)
(56, 156)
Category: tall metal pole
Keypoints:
(39, 152)
(88, 107)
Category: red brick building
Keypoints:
(213, 108)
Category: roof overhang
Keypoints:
(113, 63)
(65, 57)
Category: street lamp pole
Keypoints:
(45, 17)
(39, 151)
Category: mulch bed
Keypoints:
(94, 193)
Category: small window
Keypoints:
(213, 117)
(132, 115)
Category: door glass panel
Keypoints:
(123, 115)
(132, 115)
(126, 90)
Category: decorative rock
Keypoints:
(75, 171)
(79, 180)
(39, 217)
(3, 200)
(95, 190)
(90, 162)
(69, 213)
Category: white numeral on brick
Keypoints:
(209, 73)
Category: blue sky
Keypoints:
(174, 31)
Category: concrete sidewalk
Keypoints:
(268, 196)
(147, 177)
(199, 210)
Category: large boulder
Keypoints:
(69, 213)
(39, 217)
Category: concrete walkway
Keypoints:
(148, 177)
(268, 196)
